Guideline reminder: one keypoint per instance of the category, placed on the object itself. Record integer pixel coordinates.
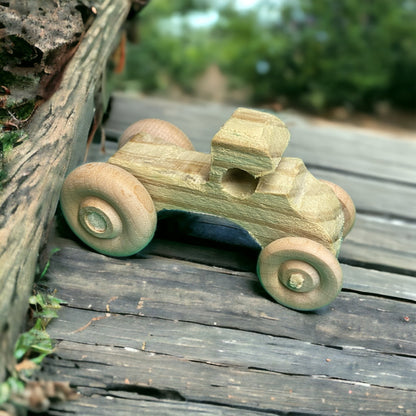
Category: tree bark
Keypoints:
(57, 134)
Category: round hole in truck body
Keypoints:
(239, 183)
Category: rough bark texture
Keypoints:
(56, 141)
(35, 47)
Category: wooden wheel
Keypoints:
(157, 128)
(108, 209)
(348, 207)
(299, 273)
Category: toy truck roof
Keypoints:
(250, 140)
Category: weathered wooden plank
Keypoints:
(366, 246)
(57, 135)
(197, 239)
(242, 259)
(379, 283)
(366, 280)
(370, 154)
(196, 382)
(178, 290)
(365, 153)
(374, 196)
(373, 242)
(96, 402)
(386, 245)
(233, 348)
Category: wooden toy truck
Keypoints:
(298, 220)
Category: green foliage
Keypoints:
(347, 51)
(33, 345)
(44, 307)
(8, 139)
(169, 53)
(315, 54)
(41, 274)
(11, 387)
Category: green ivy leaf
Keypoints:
(35, 340)
(4, 392)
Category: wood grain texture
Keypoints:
(234, 348)
(372, 195)
(245, 179)
(359, 152)
(226, 386)
(177, 332)
(182, 290)
(251, 140)
(36, 169)
(380, 214)
(365, 245)
(93, 403)
(108, 208)
(185, 327)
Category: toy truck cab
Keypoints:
(298, 220)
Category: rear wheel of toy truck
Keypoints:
(160, 129)
(348, 207)
(108, 209)
(299, 273)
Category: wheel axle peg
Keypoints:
(299, 276)
(99, 219)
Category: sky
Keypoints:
(210, 17)
(206, 19)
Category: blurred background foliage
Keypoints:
(310, 54)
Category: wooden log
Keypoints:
(36, 169)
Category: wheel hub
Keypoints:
(299, 276)
(99, 219)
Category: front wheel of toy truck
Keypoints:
(299, 273)
(108, 209)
